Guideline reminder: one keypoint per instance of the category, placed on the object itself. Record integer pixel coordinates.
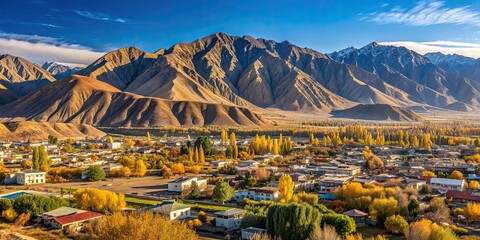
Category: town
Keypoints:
(362, 182)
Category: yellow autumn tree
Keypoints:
(286, 187)
(178, 168)
(99, 200)
(472, 212)
(144, 225)
(427, 173)
(456, 175)
(140, 168)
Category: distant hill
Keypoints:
(378, 112)
(26, 130)
(83, 100)
(21, 76)
(58, 70)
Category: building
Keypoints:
(258, 194)
(329, 184)
(218, 164)
(29, 177)
(47, 217)
(445, 184)
(184, 183)
(461, 196)
(114, 145)
(357, 215)
(170, 209)
(340, 170)
(230, 219)
(75, 220)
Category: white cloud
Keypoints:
(446, 47)
(426, 13)
(100, 16)
(39, 49)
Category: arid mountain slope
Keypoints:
(120, 67)
(378, 112)
(413, 74)
(84, 100)
(21, 76)
(6, 95)
(26, 130)
(246, 71)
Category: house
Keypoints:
(445, 184)
(247, 233)
(29, 177)
(114, 145)
(461, 196)
(329, 184)
(171, 209)
(184, 183)
(47, 217)
(75, 220)
(230, 219)
(258, 194)
(248, 163)
(218, 164)
(357, 215)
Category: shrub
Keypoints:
(202, 216)
(5, 204)
(22, 219)
(459, 230)
(9, 215)
(343, 224)
(197, 223)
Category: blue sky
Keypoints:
(77, 32)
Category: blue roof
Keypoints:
(327, 196)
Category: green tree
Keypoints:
(5, 204)
(27, 164)
(222, 192)
(36, 204)
(206, 144)
(292, 221)
(95, 173)
(343, 224)
(396, 224)
(413, 208)
(194, 190)
(381, 208)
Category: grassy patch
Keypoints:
(368, 232)
(207, 207)
(44, 235)
(5, 226)
(139, 202)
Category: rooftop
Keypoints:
(77, 217)
(231, 212)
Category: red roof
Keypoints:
(469, 196)
(77, 217)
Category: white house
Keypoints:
(114, 145)
(171, 209)
(181, 184)
(258, 194)
(29, 177)
(217, 164)
(445, 184)
(230, 219)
